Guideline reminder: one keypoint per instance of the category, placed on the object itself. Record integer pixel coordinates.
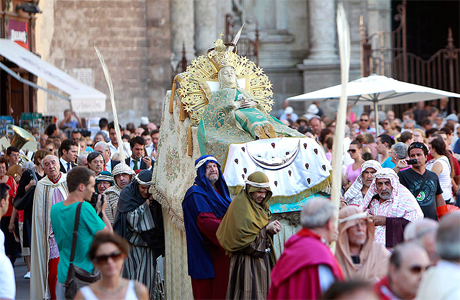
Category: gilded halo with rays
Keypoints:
(195, 91)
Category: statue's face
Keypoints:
(228, 76)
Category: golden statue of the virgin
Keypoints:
(228, 97)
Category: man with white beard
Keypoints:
(391, 207)
(357, 253)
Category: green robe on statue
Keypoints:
(223, 123)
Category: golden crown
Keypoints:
(219, 56)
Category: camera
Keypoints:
(411, 161)
(95, 203)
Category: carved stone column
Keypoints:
(205, 25)
(182, 29)
(322, 31)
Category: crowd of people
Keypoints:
(78, 205)
(74, 188)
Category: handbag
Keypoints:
(76, 276)
(21, 203)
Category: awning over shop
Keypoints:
(83, 98)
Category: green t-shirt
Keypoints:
(63, 221)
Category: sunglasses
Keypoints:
(417, 145)
(363, 120)
(102, 259)
(351, 150)
(416, 269)
(385, 123)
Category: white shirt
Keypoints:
(108, 166)
(64, 163)
(444, 178)
(326, 277)
(130, 292)
(114, 150)
(7, 282)
(441, 282)
(149, 149)
(131, 163)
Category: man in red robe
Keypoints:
(307, 267)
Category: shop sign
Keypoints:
(19, 32)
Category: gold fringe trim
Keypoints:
(183, 114)
(323, 185)
(190, 141)
(171, 98)
(177, 220)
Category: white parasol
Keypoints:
(377, 89)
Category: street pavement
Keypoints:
(22, 285)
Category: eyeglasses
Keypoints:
(385, 123)
(351, 150)
(363, 120)
(102, 259)
(416, 269)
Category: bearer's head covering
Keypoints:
(350, 216)
(255, 182)
(218, 200)
(144, 177)
(122, 168)
(130, 199)
(245, 218)
(355, 188)
(372, 257)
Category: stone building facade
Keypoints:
(133, 36)
(142, 40)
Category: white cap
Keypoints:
(288, 110)
(144, 120)
(313, 109)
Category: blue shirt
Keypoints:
(388, 163)
(457, 147)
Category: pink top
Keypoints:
(352, 174)
(54, 251)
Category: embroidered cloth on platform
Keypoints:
(296, 167)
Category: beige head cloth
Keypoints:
(122, 168)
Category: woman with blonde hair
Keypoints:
(419, 136)
(389, 126)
